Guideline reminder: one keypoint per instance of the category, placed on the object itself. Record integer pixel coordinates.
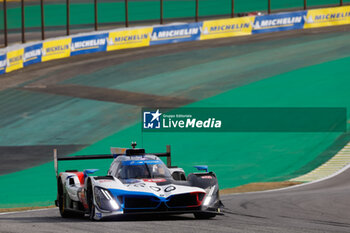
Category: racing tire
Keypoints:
(62, 205)
(90, 201)
(92, 213)
(204, 215)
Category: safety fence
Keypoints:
(22, 55)
(23, 17)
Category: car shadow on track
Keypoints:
(130, 218)
(151, 217)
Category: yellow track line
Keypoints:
(337, 162)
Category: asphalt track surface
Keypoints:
(318, 207)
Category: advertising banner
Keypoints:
(279, 22)
(89, 44)
(32, 54)
(327, 17)
(14, 60)
(56, 49)
(3, 63)
(176, 33)
(141, 37)
(227, 28)
(129, 38)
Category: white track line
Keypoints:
(294, 186)
(26, 211)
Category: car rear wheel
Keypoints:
(62, 203)
(62, 200)
(90, 200)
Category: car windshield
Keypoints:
(142, 169)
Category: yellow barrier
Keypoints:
(56, 49)
(227, 28)
(14, 60)
(327, 17)
(129, 38)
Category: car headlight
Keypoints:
(209, 196)
(105, 200)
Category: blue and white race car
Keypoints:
(136, 183)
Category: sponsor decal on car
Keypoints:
(170, 188)
(98, 215)
(157, 180)
(104, 181)
(131, 181)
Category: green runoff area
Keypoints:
(296, 72)
(82, 12)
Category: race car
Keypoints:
(136, 183)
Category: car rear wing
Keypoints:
(125, 151)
